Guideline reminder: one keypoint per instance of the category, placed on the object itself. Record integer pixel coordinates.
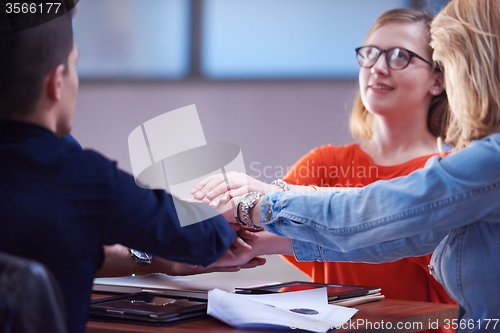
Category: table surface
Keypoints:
(380, 316)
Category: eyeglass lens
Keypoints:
(395, 58)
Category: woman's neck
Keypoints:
(395, 141)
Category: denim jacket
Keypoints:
(451, 207)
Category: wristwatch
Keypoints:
(247, 202)
(142, 261)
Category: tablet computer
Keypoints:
(334, 291)
(148, 309)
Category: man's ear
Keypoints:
(54, 82)
(438, 84)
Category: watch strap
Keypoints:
(141, 269)
(236, 209)
(248, 221)
(141, 264)
(245, 209)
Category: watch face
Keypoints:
(141, 255)
(248, 201)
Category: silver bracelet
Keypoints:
(281, 183)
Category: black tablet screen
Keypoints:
(153, 305)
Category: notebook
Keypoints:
(196, 286)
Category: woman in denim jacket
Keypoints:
(451, 207)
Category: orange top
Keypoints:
(350, 166)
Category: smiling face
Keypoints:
(385, 91)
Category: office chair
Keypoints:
(30, 300)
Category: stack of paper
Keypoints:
(308, 310)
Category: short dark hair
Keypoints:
(27, 57)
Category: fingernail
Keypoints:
(198, 195)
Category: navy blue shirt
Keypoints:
(60, 204)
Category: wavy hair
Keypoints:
(361, 122)
(465, 40)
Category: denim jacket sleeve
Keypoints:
(388, 220)
(419, 245)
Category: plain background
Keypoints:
(274, 123)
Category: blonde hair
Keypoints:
(361, 122)
(465, 41)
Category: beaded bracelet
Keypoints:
(281, 183)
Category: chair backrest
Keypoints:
(30, 299)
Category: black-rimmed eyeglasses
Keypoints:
(396, 58)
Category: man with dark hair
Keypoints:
(60, 204)
(30, 62)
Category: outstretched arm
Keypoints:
(219, 189)
(389, 220)
(308, 248)
(118, 262)
(448, 193)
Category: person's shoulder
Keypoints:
(486, 149)
(89, 162)
(495, 137)
(484, 146)
(477, 163)
(72, 150)
(97, 159)
(338, 153)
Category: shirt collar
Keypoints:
(13, 129)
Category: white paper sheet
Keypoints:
(306, 309)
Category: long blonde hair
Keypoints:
(465, 40)
(361, 122)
